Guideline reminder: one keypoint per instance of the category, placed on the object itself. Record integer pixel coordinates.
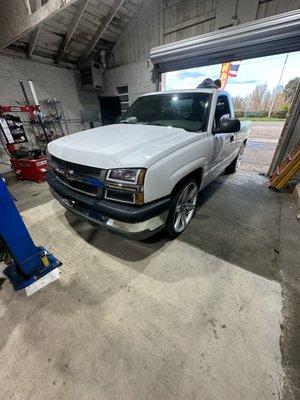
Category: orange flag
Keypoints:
(225, 69)
(229, 69)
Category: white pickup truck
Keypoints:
(144, 173)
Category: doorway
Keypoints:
(262, 92)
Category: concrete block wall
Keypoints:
(49, 81)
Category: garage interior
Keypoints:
(213, 314)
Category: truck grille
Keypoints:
(75, 176)
(77, 168)
(78, 185)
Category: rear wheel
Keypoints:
(235, 165)
(182, 208)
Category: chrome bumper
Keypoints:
(135, 231)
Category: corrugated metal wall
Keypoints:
(165, 21)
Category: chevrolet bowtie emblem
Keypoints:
(68, 173)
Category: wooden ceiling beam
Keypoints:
(33, 39)
(80, 10)
(101, 30)
(23, 21)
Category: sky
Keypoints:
(251, 72)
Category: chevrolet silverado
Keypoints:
(144, 173)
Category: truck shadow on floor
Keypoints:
(113, 244)
(124, 249)
(238, 222)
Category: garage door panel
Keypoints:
(273, 35)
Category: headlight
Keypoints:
(125, 185)
(126, 175)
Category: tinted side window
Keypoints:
(222, 108)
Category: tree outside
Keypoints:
(258, 102)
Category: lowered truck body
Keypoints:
(144, 174)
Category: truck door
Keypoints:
(224, 143)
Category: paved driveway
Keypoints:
(261, 146)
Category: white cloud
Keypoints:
(260, 70)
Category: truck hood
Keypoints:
(121, 145)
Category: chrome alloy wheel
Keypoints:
(185, 207)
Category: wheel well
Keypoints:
(197, 174)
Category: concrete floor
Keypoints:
(210, 315)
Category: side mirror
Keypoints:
(228, 125)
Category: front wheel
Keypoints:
(182, 208)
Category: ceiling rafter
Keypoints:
(35, 33)
(33, 39)
(102, 28)
(28, 6)
(23, 21)
(48, 40)
(80, 10)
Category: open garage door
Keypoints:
(264, 37)
(273, 35)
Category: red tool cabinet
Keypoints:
(33, 170)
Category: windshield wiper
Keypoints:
(155, 123)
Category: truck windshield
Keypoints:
(188, 111)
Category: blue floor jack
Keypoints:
(27, 263)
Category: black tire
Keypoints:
(173, 212)
(234, 166)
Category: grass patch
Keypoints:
(264, 119)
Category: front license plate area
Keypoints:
(88, 213)
(97, 216)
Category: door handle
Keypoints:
(231, 138)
